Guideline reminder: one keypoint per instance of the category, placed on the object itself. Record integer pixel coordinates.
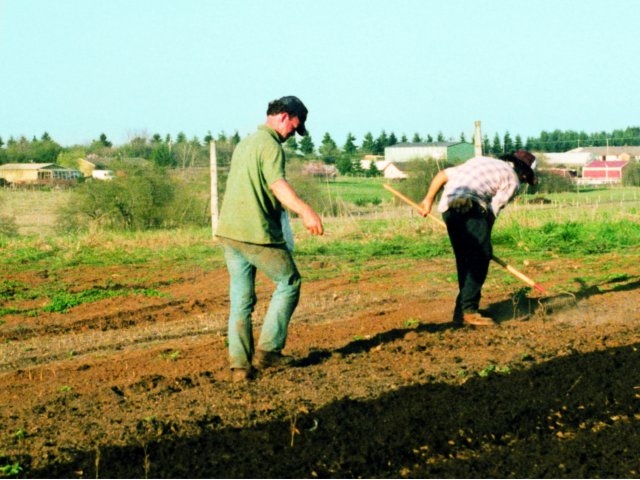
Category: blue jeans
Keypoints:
(243, 260)
(470, 235)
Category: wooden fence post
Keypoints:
(213, 168)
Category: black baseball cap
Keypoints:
(294, 107)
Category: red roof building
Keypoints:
(600, 171)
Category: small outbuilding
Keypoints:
(25, 174)
(451, 151)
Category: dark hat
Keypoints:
(294, 107)
(523, 163)
(525, 157)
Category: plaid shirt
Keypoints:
(490, 182)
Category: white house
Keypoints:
(389, 169)
(570, 158)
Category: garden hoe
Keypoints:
(500, 262)
(548, 305)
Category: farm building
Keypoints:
(583, 155)
(625, 153)
(568, 159)
(389, 169)
(600, 171)
(24, 174)
(451, 151)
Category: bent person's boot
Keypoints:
(476, 319)
(242, 374)
(264, 359)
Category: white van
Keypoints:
(103, 174)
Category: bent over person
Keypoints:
(474, 194)
(250, 229)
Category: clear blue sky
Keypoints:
(79, 68)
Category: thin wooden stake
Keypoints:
(213, 168)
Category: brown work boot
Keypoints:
(477, 320)
(264, 359)
(239, 375)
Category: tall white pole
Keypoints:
(477, 140)
(213, 168)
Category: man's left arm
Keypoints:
(288, 197)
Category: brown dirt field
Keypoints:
(383, 384)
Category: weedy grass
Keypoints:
(570, 225)
(63, 301)
(10, 469)
(356, 190)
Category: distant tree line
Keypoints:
(151, 193)
(182, 152)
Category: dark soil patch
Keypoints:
(383, 386)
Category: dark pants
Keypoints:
(470, 235)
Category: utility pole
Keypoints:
(477, 140)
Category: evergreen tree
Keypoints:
(350, 147)
(306, 145)
(368, 144)
(416, 138)
(356, 167)
(518, 143)
(373, 171)
(162, 155)
(496, 147)
(328, 149)
(104, 142)
(507, 143)
(486, 146)
(381, 143)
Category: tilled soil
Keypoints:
(383, 385)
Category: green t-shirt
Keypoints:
(250, 211)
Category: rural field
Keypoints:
(113, 357)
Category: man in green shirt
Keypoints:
(250, 228)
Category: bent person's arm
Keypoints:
(436, 184)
